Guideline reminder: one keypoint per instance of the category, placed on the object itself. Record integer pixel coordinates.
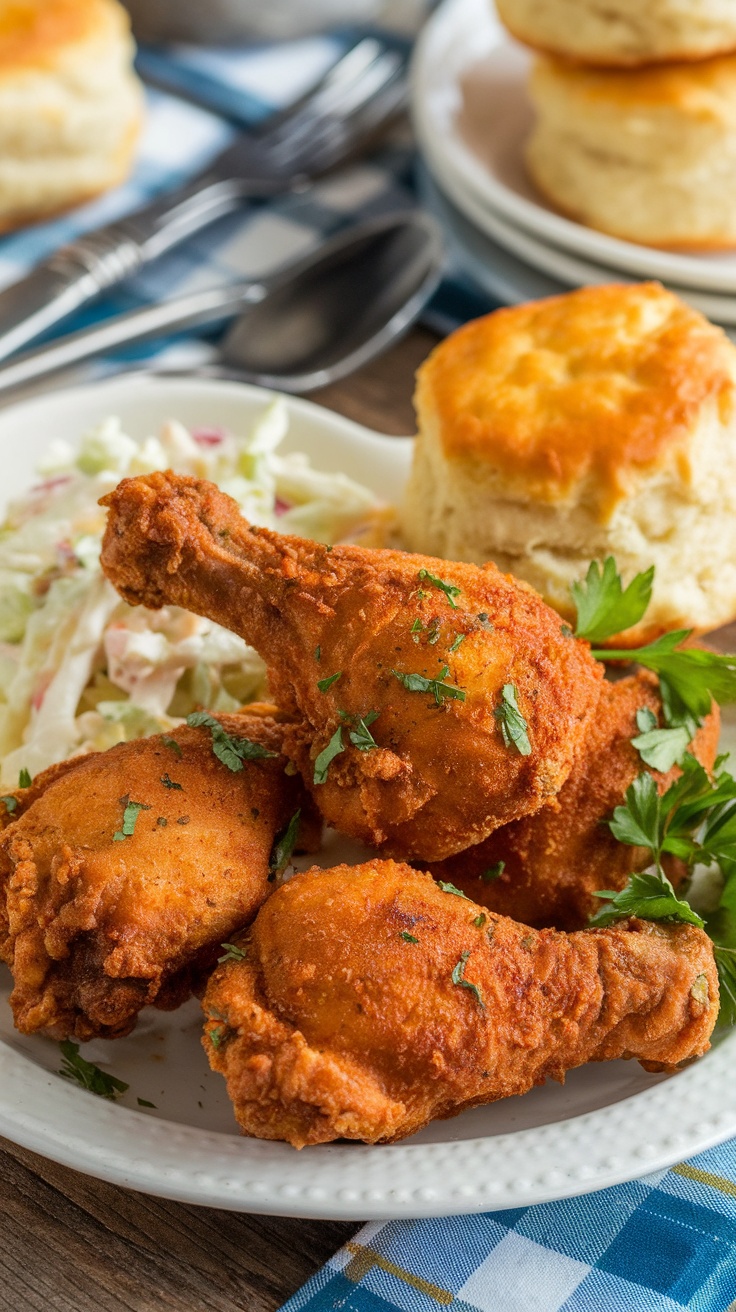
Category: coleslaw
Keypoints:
(80, 669)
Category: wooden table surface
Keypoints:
(69, 1243)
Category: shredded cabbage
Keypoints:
(79, 669)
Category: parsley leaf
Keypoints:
(324, 684)
(283, 847)
(690, 679)
(231, 751)
(74, 1067)
(408, 938)
(458, 977)
(232, 953)
(318, 653)
(450, 888)
(24, 779)
(328, 754)
(169, 783)
(513, 725)
(604, 607)
(663, 748)
(649, 896)
(450, 589)
(172, 744)
(143, 1102)
(11, 804)
(439, 689)
(460, 637)
(130, 816)
(480, 920)
(360, 734)
(493, 872)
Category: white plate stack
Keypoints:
(472, 116)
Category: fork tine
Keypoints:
(374, 95)
(335, 73)
(344, 76)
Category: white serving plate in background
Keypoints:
(608, 1123)
(472, 115)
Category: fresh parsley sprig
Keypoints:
(359, 729)
(604, 607)
(648, 896)
(451, 590)
(327, 755)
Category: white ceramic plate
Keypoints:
(472, 116)
(608, 1123)
(567, 270)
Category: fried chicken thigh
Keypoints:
(123, 872)
(555, 861)
(370, 1002)
(447, 696)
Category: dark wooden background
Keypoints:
(69, 1243)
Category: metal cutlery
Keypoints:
(311, 322)
(359, 95)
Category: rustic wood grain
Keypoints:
(69, 1243)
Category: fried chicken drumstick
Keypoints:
(430, 702)
(124, 871)
(546, 868)
(370, 1002)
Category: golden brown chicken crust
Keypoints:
(556, 860)
(94, 927)
(442, 776)
(371, 1002)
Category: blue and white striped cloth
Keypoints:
(660, 1244)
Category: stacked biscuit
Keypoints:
(636, 115)
(70, 104)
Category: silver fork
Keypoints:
(359, 95)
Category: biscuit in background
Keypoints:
(601, 422)
(623, 32)
(649, 156)
(70, 104)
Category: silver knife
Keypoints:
(360, 93)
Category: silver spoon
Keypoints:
(312, 322)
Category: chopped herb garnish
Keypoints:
(450, 888)
(24, 779)
(432, 631)
(359, 734)
(493, 872)
(283, 848)
(11, 804)
(416, 627)
(460, 638)
(604, 607)
(232, 953)
(183, 820)
(513, 725)
(484, 620)
(162, 821)
(324, 684)
(172, 744)
(231, 751)
(450, 589)
(565, 630)
(480, 920)
(439, 689)
(318, 653)
(408, 938)
(458, 977)
(216, 1035)
(169, 783)
(130, 816)
(143, 1102)
(74, 1067)
(328, 754)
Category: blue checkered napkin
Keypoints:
(659, 1244)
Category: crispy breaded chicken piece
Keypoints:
(426, 655)
(103, 909)
(555, 861)
(369, 1002)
